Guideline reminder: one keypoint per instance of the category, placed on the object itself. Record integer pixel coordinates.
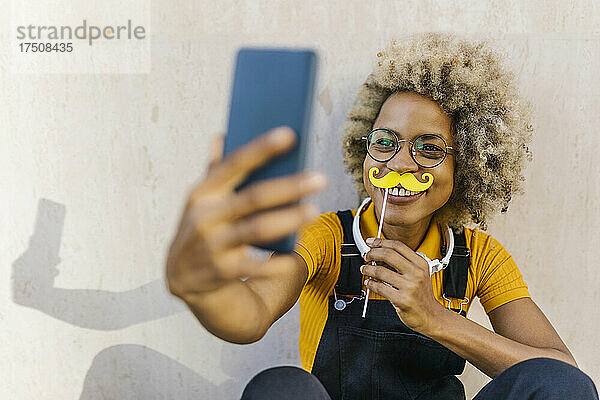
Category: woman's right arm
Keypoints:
(209, 256)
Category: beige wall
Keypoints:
(117, 153)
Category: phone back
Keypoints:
(272, 87)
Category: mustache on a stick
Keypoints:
(408, 180)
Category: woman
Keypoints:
(434, 105)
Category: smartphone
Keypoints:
(272, 87)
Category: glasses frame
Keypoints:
(412, 148)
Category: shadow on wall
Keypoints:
(121, 371)
(33, 284)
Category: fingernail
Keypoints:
(370, 240)
(281, 135)
(362, 267)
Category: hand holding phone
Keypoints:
(246, 198)
(211, 247)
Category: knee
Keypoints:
(554, 379)
(283, 383)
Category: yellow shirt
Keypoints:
(493, 275)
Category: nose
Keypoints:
(402, 161)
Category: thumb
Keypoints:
(216, 152)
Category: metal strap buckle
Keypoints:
(340, 304)
(460, 251)
(465, 300)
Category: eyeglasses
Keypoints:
(428, 150)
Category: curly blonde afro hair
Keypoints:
(490, 122)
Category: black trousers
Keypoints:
(534, 379)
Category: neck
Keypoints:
(411, 235)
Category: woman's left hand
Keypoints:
(410, 290)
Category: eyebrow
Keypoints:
(417, 135)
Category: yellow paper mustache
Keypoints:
(407, 180)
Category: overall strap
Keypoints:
(350, 279)
(456, 273)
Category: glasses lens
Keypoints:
(429, 150)
(382, 145)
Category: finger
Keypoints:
(383, 290)
(264, 227)
(399, 246)
(269, 194)
(216, 152)
(232, 170)
(382, 274)
(391, 258)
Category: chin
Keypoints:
(401, 218)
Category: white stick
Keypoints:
(378, 235)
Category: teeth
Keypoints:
(401, 192)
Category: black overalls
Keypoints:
(378, 357)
